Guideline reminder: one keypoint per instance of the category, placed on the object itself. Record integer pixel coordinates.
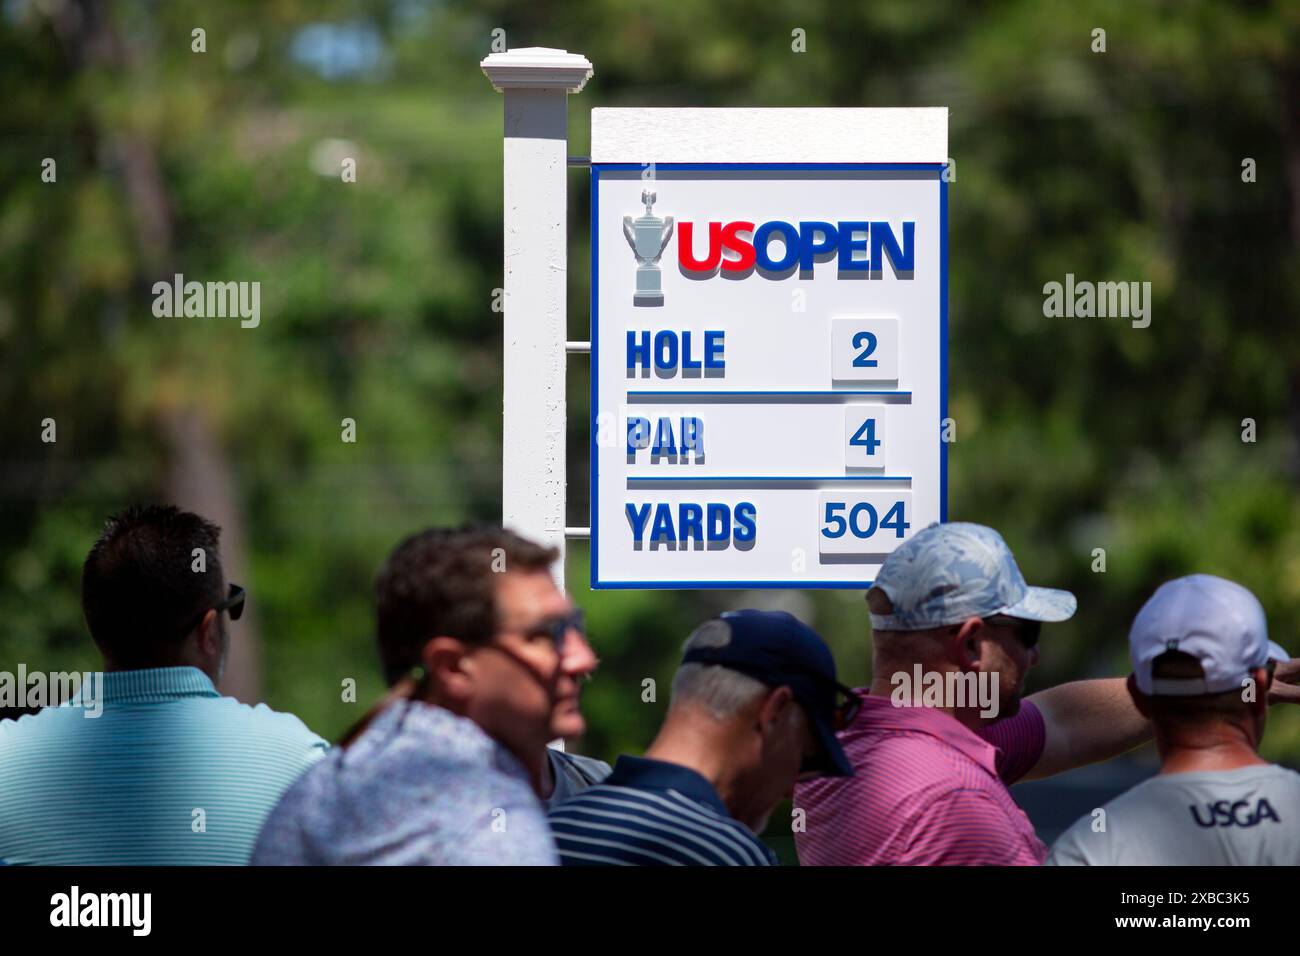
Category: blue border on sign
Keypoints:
(594, 374)
(594, 413)
(943, 343)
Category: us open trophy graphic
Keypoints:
(648, 236)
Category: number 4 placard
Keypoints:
(864, 436)
(864, 350)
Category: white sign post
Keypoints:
(769, 337)
(536, 83)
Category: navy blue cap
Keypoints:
(779, 650)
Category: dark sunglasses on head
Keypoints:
(1027, 632)
(842, 715)
(234, 603)
(847, 710)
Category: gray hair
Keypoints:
(720, 690)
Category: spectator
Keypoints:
(753, 706)
(483, 653)
(951, 608)
(170, 772)
(1202, 668)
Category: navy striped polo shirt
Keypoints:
(653, 813)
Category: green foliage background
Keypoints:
(1073, 434)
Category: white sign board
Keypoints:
(769, 341)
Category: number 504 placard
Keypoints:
(863, 523)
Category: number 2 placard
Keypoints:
(864, 350)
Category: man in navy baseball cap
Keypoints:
(778, 649)
(755, 706)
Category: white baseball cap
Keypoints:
(1215, 620)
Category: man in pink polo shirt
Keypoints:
(942, 730)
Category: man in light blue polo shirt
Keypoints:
(151, 766)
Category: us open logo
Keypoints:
(648, 236)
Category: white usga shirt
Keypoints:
(1243, 817)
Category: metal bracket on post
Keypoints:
(536, 82)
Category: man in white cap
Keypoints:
(1202, 668)
(942, 731)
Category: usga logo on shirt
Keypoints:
(1239, 814)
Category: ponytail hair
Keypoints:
(408, 688)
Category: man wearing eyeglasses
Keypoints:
(931, 776)
(170, 772)
(755, 704)
(932, 773)
(483, 654)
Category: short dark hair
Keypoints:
(138, 586)
(442, 582)
(1197, 708)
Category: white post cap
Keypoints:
(537, 68)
